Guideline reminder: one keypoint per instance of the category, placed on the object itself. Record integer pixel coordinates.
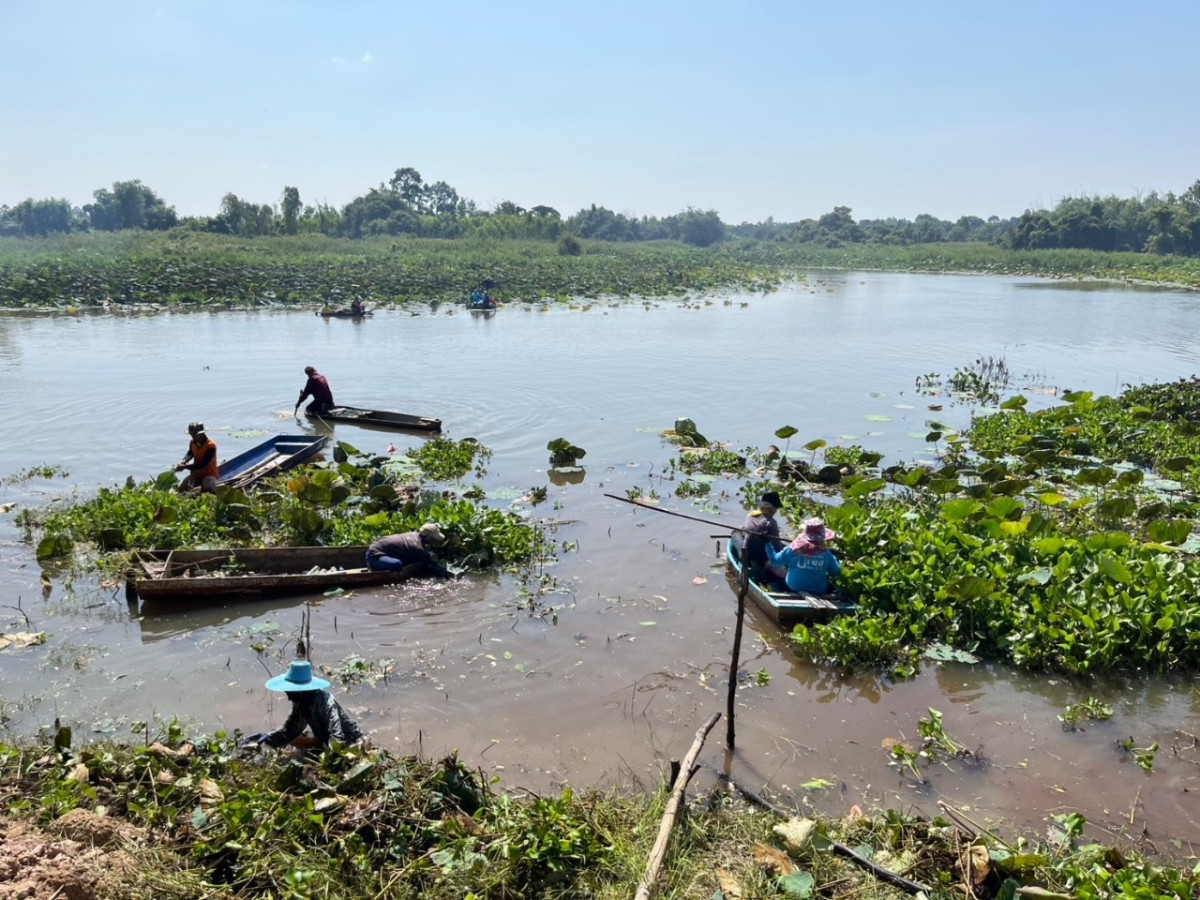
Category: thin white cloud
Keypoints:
(368, 58)
(337, 60)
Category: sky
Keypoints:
(755, 109)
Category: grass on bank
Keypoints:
(209, 821)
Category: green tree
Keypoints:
(130, 204)
(408, 184)
(32, 218)
(701, 228)
(290, 206)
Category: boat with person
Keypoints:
(342, 313)
(784, 607)
(272, 456)
(199, 574)
(379, 418)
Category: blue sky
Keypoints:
(754, 109)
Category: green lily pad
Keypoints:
(877, 418)
(876, 393)
(946, 653)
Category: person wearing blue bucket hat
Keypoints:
(312, 708)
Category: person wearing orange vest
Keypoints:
(200, 461)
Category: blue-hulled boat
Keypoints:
(272, 456)
(787, 608)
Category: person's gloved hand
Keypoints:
(253, 739)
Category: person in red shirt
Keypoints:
(317, 387)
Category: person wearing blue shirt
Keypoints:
(808, 560)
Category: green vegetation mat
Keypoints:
(189, 269)
(1064, 539)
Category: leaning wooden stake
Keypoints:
(731, 700)
(659, 851)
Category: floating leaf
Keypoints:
(878, 418)
(946, 653)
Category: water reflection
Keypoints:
(563, 475)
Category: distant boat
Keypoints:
(198, 574)
(274, 455)
(343, 313)
(787, 608)
(379, 418)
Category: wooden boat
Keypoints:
(380, 418)
(342, 313)
(787, 608)
(274, 455)
(198, 574)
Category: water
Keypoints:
(634, 657)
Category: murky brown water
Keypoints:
(637, 656)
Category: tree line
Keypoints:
(408, 205)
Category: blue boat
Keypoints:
(787, 608)
(272, 456)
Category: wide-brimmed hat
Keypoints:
(299, 677)
(430, 532)
(196, 428)
(814, 537)
(770, 498)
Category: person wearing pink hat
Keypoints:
(809, 562)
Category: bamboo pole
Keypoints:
(659, 851)
(679, 515)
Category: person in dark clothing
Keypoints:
(398, 551)
(761, 527)
(200, 462)
(312, 708)
(317, 387)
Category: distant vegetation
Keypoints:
(1162, 224)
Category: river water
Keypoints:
(602, 681)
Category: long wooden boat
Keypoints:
(342, 313)
(380, 418)
(198, 574)
(274, 455)
(787, 608)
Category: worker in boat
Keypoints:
(398, 551)
(312, 710)
(809, 561)
(356, 307)
(317, 387)
(761, 528)
(200, 461)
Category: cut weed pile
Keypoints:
(180, 819)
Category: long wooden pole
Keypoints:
(659, 851)
(735, 658)
(678, 515)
